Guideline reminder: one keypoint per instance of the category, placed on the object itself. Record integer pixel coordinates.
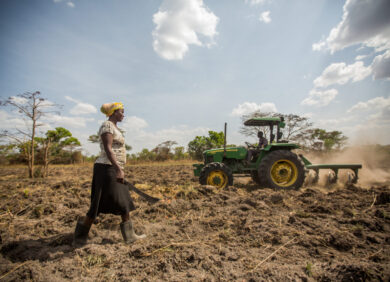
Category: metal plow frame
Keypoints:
(334, 168)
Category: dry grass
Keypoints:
(195, 232)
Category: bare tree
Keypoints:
(163, 150)
(297, 128)
(31, 107)
(252, 130)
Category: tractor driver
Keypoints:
(262, 143)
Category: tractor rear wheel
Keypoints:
(216, 174)
(255, 176)
(282, 169)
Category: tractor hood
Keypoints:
(231, 152)
(240, 153)
(234, 151)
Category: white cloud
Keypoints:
(374, 120)
(178, 24)
(15, 122)
(14, 119)
(373, 124)
(46, 103)
(134, 123)
(138, 137)
(22, 101)
(9, 121)
(381, 66)
(19, 100)
(320, 97)
(308, 115)
(248, 107)
(382, 116)
(70, 4)
(335, 122)
(64, 121)
(340, 73)
(319, 46)
(81, 108)
(374, 104)
(369, 133)
(255, 2)
(360, 57)
(379, 43)
(265, 17)
(363, 22)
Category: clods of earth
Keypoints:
(195, 233)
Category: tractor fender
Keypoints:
(280, 146)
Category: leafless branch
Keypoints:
(32, 108)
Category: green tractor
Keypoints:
(274, 166)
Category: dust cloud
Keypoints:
(374, 158)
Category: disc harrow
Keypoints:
(332, 176)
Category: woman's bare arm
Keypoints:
(107, 144)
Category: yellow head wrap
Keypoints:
(109, 108)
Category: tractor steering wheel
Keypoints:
(249, 145)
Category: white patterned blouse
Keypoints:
(118, 145)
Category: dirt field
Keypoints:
(195, 233)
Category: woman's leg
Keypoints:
(127, 230)
(125, 217)
(96, 193)
(83, 226)
(88, 221)
(80, 235)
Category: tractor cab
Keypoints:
(271, 122)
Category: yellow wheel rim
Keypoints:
(217, 178)
(284, 173)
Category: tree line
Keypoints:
(58, 146)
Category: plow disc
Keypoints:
(332, 176)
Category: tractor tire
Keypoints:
(216, 174)
(255, 177)
(282, 169)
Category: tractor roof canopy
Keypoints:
(265, 121)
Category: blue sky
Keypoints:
(185, 67)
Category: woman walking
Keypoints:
(109, 194)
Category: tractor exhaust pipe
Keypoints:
(224, 141)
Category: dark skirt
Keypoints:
(108, 195)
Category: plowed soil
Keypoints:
(195, 233)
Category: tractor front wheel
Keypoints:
(216, 174)
(282, 169)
